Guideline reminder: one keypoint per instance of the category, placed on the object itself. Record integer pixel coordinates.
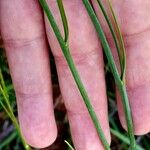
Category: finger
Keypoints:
(24, 38)
(87, 54)
(134, 20)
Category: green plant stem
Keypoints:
(64, 19)
(119, 83)
(69, 145)
(5, 109)
(120, 38)
(3, 83)
(103, 40)
(127, 111)
(66, 52)
(113, 34)
(86, 99)
(124, 138)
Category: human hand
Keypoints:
(23, 32)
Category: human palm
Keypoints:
(25, 32)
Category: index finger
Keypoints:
(23, 33)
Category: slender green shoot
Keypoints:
(123, 138)
(67, 55)
(3, 83)
(64, 19)
(69, 145)
(102, 8)
(120, 38)
(119, 82)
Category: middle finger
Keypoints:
(87, 54)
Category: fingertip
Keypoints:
(37, 121)
(139, 102)
(84, 133)
(141, 129)
(40, 138)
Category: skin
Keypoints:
(25, 32)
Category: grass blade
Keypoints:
(124, 138)
(69, 145)
(103, 39)
(120, 39)
(115, 38)
(64, 19)
(3, 83)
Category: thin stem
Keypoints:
(5, 108)
(124, 138)
(127, 110)
(120, 38)
(66, 52)
(3, 83)
(69, 145)
(103, 39)
(113, 33)
(64, 19)
(114, 70)
(86, 99)
(6, 98)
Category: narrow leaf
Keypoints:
(69, 145)
(114, 34)
(123, 138)
(64, 19)
(122, 53)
